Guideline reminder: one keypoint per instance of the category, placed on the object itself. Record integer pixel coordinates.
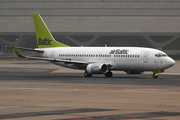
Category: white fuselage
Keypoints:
(120, 58)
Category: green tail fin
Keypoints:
(43, 35)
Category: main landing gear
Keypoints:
(87, 75)
(108, 74)
(155, 75)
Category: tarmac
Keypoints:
(41, 90)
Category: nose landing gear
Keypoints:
(155, 75)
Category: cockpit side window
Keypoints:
(161, 55)
(156, 55)
(164, 55)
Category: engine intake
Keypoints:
(97, 68)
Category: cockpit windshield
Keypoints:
(161, 55)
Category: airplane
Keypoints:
(96, 60)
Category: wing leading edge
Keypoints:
(29, 49)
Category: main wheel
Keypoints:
(87, 75)
(108, 74)
(154, 76)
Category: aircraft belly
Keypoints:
(123, 66)
(134, 65)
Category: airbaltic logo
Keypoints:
(46, 41)
(118, 51)
(125, 51)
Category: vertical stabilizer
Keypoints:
(43, 35)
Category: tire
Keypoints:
(87, 75)
(108, 74)
(154, 76)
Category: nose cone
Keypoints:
(170, 62)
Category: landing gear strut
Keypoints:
(155, 76)
(87, 75)
(108, 74)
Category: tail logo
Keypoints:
(44, 41)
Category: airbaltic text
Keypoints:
(124, 51)
(46, 41)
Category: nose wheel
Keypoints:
(154, 76)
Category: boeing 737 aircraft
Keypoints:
(96, 60)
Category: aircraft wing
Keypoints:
(48, 59)
(28, 49)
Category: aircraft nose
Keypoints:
(170, 62)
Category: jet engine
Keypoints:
(134, 72)
(97, 68)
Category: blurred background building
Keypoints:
(142, 23)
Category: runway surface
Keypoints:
(67, 96)
(141, 79)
